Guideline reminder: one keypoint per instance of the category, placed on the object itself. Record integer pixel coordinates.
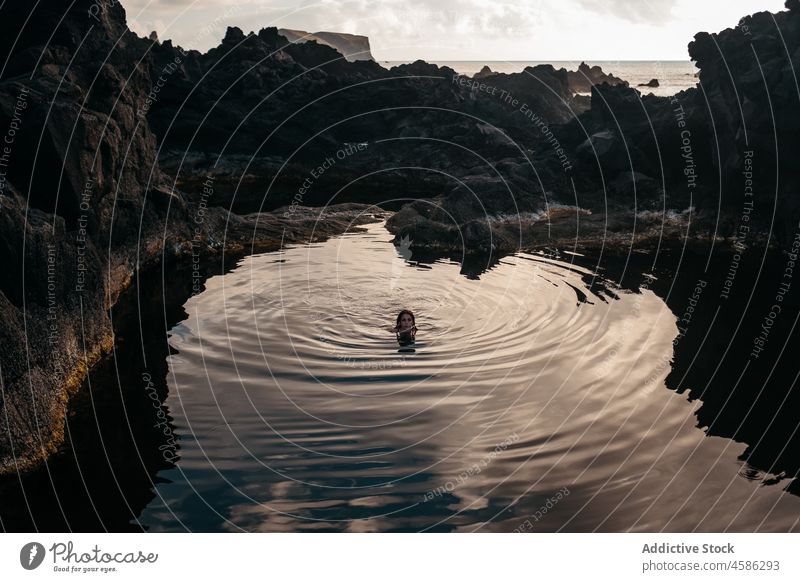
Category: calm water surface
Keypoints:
(536, 392)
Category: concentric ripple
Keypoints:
(297, 409)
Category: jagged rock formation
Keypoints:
(653, 83)
(750, 79)
(287, 108)
(483, 73)
(580, 81)
(354, 47)
(586, 77)
(718, 148)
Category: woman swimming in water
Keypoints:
(406, 327)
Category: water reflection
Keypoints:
(299, 414)
(535, 400)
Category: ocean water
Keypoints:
(673, 76)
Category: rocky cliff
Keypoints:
(84, 204)
(259, 114)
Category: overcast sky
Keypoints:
(437, 30)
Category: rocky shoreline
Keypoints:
(129, 153)
(225, 238)
(86, 208)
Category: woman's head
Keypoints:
(405, 319)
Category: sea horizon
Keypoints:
(673, 76)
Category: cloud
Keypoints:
(642, 11)
(461, 29)
(412, 18)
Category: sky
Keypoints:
(462, 30)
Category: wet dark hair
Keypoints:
(404, 312)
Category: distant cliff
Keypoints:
(354, 47)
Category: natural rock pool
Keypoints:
(545, 392)
(535, 400)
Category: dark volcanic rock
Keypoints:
(651, 83)
(718, 149)
(85, 205)
(483, 73)
(749, 76)
(82, 209)
(287, 108)
(582, 80)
